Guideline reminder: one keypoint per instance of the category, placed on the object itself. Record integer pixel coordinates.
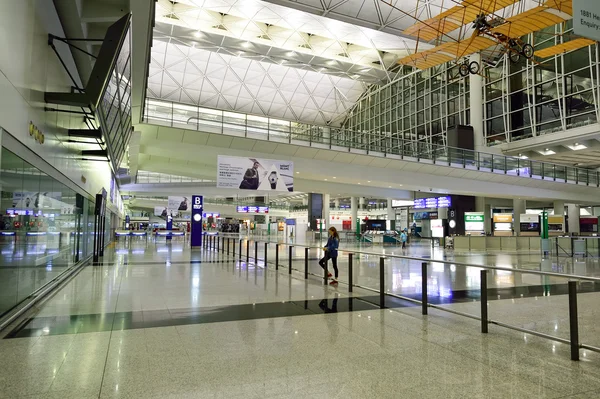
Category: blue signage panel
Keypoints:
(196, 227)
(432, 203)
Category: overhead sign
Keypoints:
(474, 217)
(255, 174)
(252, 209)
(432, 203)
(586, 18)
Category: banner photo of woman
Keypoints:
(255, 174)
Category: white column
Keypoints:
(573, 214)
(391, 214)
(361, 202)
(476, 104)
(337, 203)
(559, 208)
(304, 201)
(326, 217)
(482, 206)
(519, 207)
(353, 212)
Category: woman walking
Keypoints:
(331, 252)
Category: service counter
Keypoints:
(483, 243)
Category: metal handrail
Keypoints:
(575, 345)
(419, 150)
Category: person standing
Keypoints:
(403, 238)
(331, 252)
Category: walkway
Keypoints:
(159, 321)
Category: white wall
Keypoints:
(28, 68)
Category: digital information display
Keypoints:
(252, 209)
(432, 203)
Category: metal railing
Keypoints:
(227, 245)
(384, 144)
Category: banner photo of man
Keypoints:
(178, 204)
(255, 174)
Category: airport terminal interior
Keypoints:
(299, 199)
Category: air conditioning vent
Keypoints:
(172, 16)
(343, 55)
(220, 26)
(265, 37)
(307, 46)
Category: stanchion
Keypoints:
(228, 241)
(218, 246)
(325, 273)
(266, 248)
(241, 240)
(276, 256)
(573, 324)
(247, 250)
(290, 261)
(233, 247)
(255, 251)
(350, 279)
(424, 288)
(306, 263)
(382, 282)
(484, 302)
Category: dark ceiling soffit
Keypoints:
(69, 99)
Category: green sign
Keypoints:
(474, 218)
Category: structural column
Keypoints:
(476, 104)
(519, 207)
(573, 222)
(391, 214)
(354, 212)
(559, 208)
(361, 202)
(326, 216)
(486, 209)
(337, 203)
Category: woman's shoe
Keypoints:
(329, 274)
(334, 282)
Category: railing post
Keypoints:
(256, 251)
(305, 263)
(424, 303)
(247, 250)
(484, 302)
(266, 248)
(233, 247)
(241, 240)
(290, 261)
(573, 323)
(350, 279)
(228, 242)
(325, 273)
(276, 256)
(382, 282)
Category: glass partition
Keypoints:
(38, 228)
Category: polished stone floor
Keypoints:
(158, 320)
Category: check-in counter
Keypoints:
(482, 243)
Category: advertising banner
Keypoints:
(474, 222)
(255, 174)
(161, 211)
(178, 204)
(31, 200)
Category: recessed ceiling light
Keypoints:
(368, 181)
(290, 54)
(197, 33)
(334, 177)
(297, 173)
(358, 183)
(389, 186)
(576, 144)
(400, 185)
(325, 179)
(246, 44)
(547, 149)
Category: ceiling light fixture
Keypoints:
(197, 33)
(246, 44)
(290, 53)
